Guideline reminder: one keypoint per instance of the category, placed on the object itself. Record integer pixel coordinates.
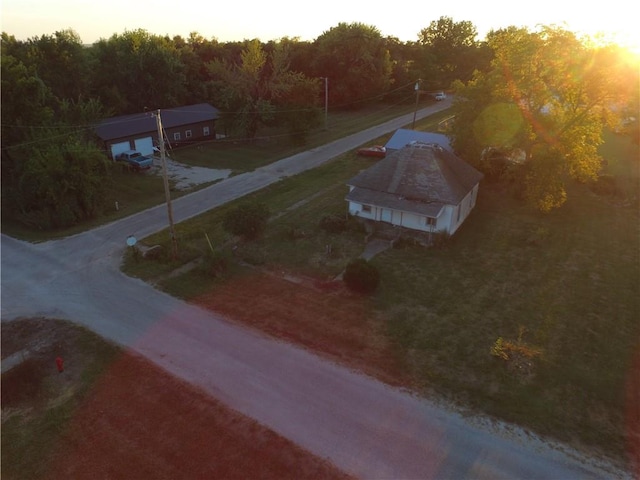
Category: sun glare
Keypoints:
(625, 40)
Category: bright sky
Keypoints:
(274, 19)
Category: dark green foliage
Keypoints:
(361, 276)
(248, 220)
(333, 223)
(356, 59)
(215, 264)
(59, 184)
(450, 52)
(137, 70)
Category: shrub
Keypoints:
(333, 223)
(248, 220)
(361, 276)
(215, 264)
(518, 355)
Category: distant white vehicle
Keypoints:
(440, 96)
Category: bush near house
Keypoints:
(361, 276)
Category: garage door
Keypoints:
(118, 148)
(144, 145)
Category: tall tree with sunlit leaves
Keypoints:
(356, 60)
(543, 105)
(254, 89)
(449, 51)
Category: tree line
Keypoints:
(54, 88)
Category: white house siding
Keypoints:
(396, 217)
(465, 207)
(415, 222)
(356, 210)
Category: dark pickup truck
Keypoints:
(135, 159)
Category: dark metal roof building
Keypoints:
(140, 123)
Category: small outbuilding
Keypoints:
(420, 186)
(139, 131)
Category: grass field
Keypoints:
(560, 290)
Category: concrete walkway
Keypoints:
(374, 247)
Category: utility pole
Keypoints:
(172, 232)
(326, 100)
(417, 89)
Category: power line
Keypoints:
(92, 126)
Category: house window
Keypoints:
(205, 131)
(187, 134)
(176, 136)
(366, 208)
(430, 221)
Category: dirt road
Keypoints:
(364, 427)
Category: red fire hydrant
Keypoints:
(60, 364)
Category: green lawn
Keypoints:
(273, 145)
(564, 284)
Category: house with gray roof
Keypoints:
(421, 186)
(139, 131)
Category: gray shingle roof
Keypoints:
(419, 178)
(137, 123)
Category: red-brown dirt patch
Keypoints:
(139, 422)
(336, 324)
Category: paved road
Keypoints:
(363, 426)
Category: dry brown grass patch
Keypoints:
(337, 324)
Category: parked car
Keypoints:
(440, 96)
(375, 151)
(135, 160)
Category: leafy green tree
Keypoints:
(248, 220)
(545, 101)
(62, 62)
(450, 52)
(61, 181)
(27, 107)
(404, 71)
(195, 52)
(136, 70)
(361, 276)
(357, 62)
(253, 90)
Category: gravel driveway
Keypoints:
(187, 176)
